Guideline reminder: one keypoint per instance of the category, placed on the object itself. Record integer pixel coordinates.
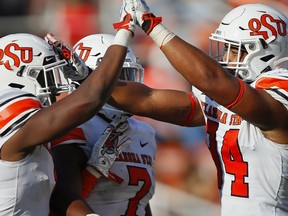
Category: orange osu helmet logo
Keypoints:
(14, 55)
(267, 21)
(84, 51)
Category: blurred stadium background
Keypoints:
(185, 173)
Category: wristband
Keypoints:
(193, 105)
(93, 172)
(161, 35)
(239, 96)
(122, 37)
(89, 180)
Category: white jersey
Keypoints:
(134, 165)
(26, 185)
(252, 170)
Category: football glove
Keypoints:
(127, 17)
(75, 69)
(145, 19)
(110, 145)
(104, 153)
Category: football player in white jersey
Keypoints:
(241, 97)
(29, 81)
(130, 183)
(134, 164)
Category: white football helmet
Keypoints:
(29, 63)
(92, 49)
(257, 29)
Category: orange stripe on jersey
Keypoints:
(73, 135)
(268, 82)
(16, 109)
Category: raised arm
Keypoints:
(206, 74)
(77, 107)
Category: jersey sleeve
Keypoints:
(75, 136)
(276, 86)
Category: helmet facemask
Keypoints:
(132, 71)
(249, 58)
(50, 79)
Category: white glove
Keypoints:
(104, 153)
(76, 68)
(145, 19)
(127, 17)
(109, 146)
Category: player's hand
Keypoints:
(105, 151)
(145, 19)
(75, 69)
(127, 17)
(110, 144)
